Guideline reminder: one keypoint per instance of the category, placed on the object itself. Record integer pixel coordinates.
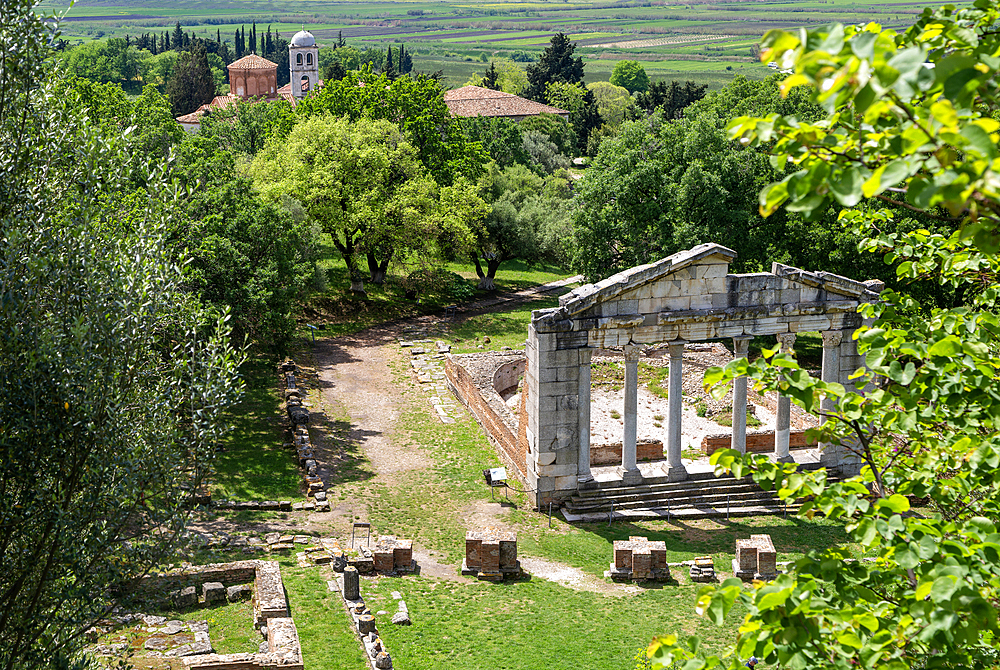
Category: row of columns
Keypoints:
(675, 469)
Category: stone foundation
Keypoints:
(491, 554)
(638, 559)
(755, 558)
(761, 442)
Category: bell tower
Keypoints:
(303, 64)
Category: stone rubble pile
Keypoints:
(298, 416)
(703, 570)
(349, 586)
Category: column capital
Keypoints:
(786, 340)
(832, 338)
(676, 348)
(741, 346)
(631, 352)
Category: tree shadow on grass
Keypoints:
(797, 536)
(340, 452)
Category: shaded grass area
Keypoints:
(610, 376)
(252, 464)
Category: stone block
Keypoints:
(746, 555)
(558, 470)
(567, 374)
(547, 458)
(185, 598)
(769, 326)
(383, 560)
(641, 563)
(238, 592)
(213, 592)
(555, 389)
(402, 555)
(565, 483)
(702, 300)
(473, 541)
(489, 554)
(712, 270)
(808, 324)
(623, 554)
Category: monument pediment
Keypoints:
(691, 295)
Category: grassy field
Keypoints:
(709, 43)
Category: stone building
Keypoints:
(255, 79)
(479, 101)
(687, 297)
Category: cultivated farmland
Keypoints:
(706, 41)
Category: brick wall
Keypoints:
(760, 442)
(608, 454)
(511, 452)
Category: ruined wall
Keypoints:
(611, 454)
(238, 572)
(498, 422)
(761, 442)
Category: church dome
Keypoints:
(303, 38)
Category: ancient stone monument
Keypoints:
(491, 554)
(638, 559)
(687, 297)
(755, 558)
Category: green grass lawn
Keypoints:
(252, 464)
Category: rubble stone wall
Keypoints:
(759, 442)
(238, 572)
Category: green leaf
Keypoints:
(980, 140)
(895, 503)
(949, 346)
(943, 588)
(847, 189)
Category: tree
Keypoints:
(191, 83)
(909, 124)
(245, 128)
(674, 96)
(554, 128)
(613, 102)
(249, 257)
(417, 105)
(556, 65)
(631, 75)
(363, 182)
(112, 381)
(505, 76)
(177, 41)
(499, 137)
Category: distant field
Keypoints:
(701, 40)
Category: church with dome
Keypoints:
(255, 79)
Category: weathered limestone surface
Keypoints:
(269, 593)
(687, 297)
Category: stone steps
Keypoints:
(704, 497)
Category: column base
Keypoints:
(675, 473)
(630, 477)
(587, 482)
(784, 459)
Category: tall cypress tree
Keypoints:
(178, 39)
(268, 44)
(165, 41)
(243, 39)
(253, 37)
(191, 84)
(388, 60)
(218, 37)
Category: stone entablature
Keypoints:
(689, 296)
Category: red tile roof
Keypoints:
(479, 101)
(252, 62)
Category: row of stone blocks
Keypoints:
(364, 621)
(211, 592)
(299, 417)
(491, 554)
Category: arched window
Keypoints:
(298, 59)
(304, 83)
(309, 59)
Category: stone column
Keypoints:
(830, 453)
(583, 475)
(629, 470)
(675, 468)
(741, 347)
(351, 583)
(784, 422)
